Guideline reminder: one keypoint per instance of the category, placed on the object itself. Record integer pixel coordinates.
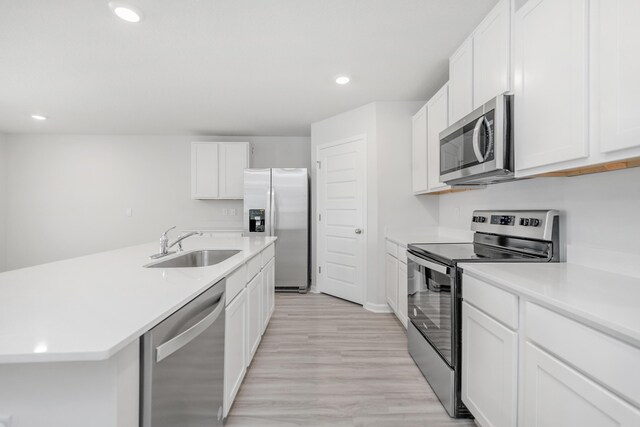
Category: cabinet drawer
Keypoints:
(253, 267)
(392, 249)
(499, 304)
(268, 253)
(236, 282)
(606, 359)
(402, 254)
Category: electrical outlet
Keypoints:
(5, 420)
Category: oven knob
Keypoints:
(482, 219)
(534, 222)
(524, 221)
(476, 219)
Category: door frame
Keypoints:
(365, 218)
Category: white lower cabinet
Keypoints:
(391, 280)
(254, 316)
(555, 395)
(489, 368)
(537, 367)
(401, 311)
(268, 293)
(396, 280)
(247, 314)
(235, 348)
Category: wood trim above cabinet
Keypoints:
(587, 170)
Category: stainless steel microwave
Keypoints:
(478, 149)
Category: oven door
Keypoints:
(431, 307)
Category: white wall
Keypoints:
(387, 126)
(3, 204)
(67, 194)
(598, 211)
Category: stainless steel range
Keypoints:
(435, 288)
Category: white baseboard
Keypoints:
(377, 308)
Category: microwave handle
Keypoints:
(476, 140)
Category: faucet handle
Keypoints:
(165, 233)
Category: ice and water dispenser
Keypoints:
(256, 220)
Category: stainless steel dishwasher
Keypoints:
(182, 375)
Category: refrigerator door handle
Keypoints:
(273, 211)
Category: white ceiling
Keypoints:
(223, 67)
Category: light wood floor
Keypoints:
(327, 362)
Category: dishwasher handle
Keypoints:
(174, 344)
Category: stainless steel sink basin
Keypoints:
(202, 258)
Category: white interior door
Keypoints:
(341, 207)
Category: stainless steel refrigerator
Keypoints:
(276, 203)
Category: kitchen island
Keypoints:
(69, 330)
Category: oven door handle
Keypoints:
(430, 265)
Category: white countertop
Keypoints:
(89, 308)
(404, 238)
(603, 300)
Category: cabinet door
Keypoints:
(254, 316)
(617, 71)
(461, 82)
(438, 118)
(402, 293)
(555, 395)
(392, 281)
(491, 55)
(419, 151)
(489, 368)
(268, 293)
(551, 84)
(204, 170)
(234, 159)
(235, 348)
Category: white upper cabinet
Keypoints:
(550, 84)
(492, 55)
(461, 81)
(217, 169)
(204, 170)
(419, 151)
(438, 119)
(234, 159)
(616, 72)
(481, 68)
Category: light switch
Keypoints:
(128, 212)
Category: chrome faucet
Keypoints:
(165, 246)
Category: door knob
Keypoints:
(358, 231)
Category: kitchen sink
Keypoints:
(203, 258)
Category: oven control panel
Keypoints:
(531, 224)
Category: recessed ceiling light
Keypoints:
(38, 117)
(342, 80)
(125, 12)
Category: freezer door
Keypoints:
(257, 202)
(290, 192)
